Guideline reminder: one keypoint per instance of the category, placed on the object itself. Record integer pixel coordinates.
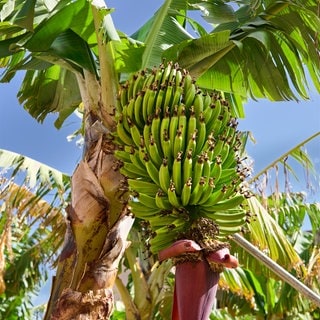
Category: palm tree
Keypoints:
(69, 66)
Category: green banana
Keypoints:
(229, 203)
(164, 175)
(192, 123)
(151, 106)
(168, 96)
(152, 170)
(130, 109)
(177, 173)
(160, 97)
(146, 200)
(176, 100)
(192, 142)
(142, 151)
(189, 91)
(122, 97)
(172, 196)
(124, 116)
(186, 192)
(217, 107)
(162, 220)
(142, 186)
(178, 143)
(123, 135)
(197, 170)
(197, 191)
(122, 155)
(155, 127)
(158, 72)
(206, 193)
(227, 215)
(216, 126)
(173, 126)
(218, 147)
(146, 134)
(182, 125)
(136, 161)
(226, 116)
(172, 74)
(138, 83)
(154, 153)
(207, 100)
(202, 133)
(135, 133)
(227, 175)
(166, 74)
(143, 212)
(178, 79)
(147, 93)
(227, 231)
(216, 170)
(162, 201)
(206, 166)
(230, 159)
(165, 123)
(198, 104)
(231, 223)
(138, 113)
(214, 198)
(132, 171)
(167, 148)
(187, 167)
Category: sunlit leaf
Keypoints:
(35, 171)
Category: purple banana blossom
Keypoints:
(195, 282)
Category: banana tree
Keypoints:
(72, 65)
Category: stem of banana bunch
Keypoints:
(196, 278)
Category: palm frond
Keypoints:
(269, 51)
(36, 172)
(240, 292)
(27, 244)
(269, 237)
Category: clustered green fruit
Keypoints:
(179, 150)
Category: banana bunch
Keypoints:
(179, 150)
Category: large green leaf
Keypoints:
(267, 58)
(50, 90)
(160, 32)
(192, 53)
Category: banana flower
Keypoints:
(196, 277)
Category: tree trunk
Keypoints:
(97, 222)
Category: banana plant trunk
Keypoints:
(94, 243)
(97, 221)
